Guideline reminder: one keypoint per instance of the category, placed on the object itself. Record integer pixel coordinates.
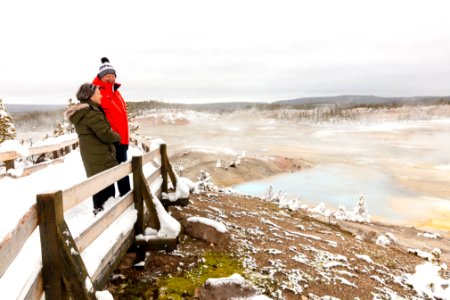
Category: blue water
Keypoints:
(336, 185)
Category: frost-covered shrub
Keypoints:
(7, 129)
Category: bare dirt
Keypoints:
(287, 254)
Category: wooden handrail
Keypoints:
(14, 240)
(50, 148)
(9, 155)
(148, 157)
(91, 233)
(52, 205)
(34, 287)
(78, 193)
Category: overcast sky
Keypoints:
(210, 51)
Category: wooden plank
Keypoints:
(156, 187)
(9, 155)
(9, 164)
(74, 273)
(102, 223)
(40, 166)
(158, 244)
(172, 175)
(34, 287)
(78, 193)
(155, 175)
(50, 215)
(112, 259)
(139, 226)
(51, 148)
(179, 202)
(148, 198)
(148, 157)
(163, 149)
(14, 240)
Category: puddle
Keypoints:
(338, 184)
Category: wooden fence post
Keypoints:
(170, 172)
(136, 164)
(51, 215)
(163, 151)
(9, 164)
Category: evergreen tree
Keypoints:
(66, 125)
(59, 130)
(361, 211)
(7, 129)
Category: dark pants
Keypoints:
(101, 197)
(121, 155)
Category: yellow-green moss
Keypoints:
(215, 265)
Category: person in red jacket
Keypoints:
(116, 112)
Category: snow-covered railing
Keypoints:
(57, 150)
(63, 270)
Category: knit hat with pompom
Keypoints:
(106, 68)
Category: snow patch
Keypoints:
(217, 225)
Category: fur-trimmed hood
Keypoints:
(73, 109)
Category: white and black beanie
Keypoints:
(106, 68)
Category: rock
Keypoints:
(233, 287)
(205, 232)
(127, 261)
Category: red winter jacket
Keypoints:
(115, 108)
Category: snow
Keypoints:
(14, 145)
(57, 140)
(443, 167)
(233, 279)
(17, 200)
(430, 235)
(365, 258)
(213, 150)
(103, 295)
(169, 227)
(181, 192)
(217, 225)
(427, 281)
(434, 255)
(383, 240)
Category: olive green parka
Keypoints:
(95, 136)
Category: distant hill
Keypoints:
(23, 108)
(348, 100)
(135, 106)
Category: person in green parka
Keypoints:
(95, 138)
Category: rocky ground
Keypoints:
(193, 162)
(285, 254)
(296, 254)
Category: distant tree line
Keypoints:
(54, 119)
(37, 120)
(139, 107)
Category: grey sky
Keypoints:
(209, 51)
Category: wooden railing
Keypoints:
(56, 151)
(63, 273)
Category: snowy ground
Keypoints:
(18, 195)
